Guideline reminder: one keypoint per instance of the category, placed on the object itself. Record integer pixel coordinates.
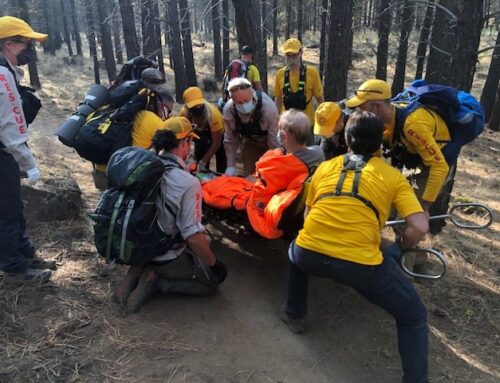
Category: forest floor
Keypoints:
(70, 331)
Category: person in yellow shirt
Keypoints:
(297, 83)
(348, 202)
(209, 127)
(417, 143)
(329, 127)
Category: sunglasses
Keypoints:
(240, 87)
(28, 43)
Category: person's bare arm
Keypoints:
(417, 225)
(214, 146)
(199, 244)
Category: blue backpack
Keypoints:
(462, 112)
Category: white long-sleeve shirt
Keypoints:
(13, 126)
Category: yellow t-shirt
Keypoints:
(145, 125)
(343, 227)
(253, 74)
(217, 121)
(425, 133)
(313, 87)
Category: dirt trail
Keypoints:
(69, 331)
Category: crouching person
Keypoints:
(190, 267)
(348, 203)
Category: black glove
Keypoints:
(219, 271)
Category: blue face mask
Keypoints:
(245, 108)
(278, 138)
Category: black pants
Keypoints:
(201, 146)
(15, 246)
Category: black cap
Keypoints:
(246, 50)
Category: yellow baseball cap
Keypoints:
(325, 118)
(181, 126)
(291, 46)
(193, 96)
(12, 26)
(376, 90)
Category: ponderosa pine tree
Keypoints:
(129, 30)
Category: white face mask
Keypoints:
(245, 108)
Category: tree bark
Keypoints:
(323, 37)
(67, 37)
(288, 28)
(423, 41)
(217, 40)
(339, 40)
(469, 27)
(76, 30)
(117, 40)
(187, 45)
(32, 66)
(443, 42)
(494, 123)
(106, 44)
(90, 17)
(404, 37)
(129, 31)
(148, 29)
(300, 19)
(157, 36)
(176, 52)
(225, 33)
(492, 80)
(384, 28)
(48, 45)
(275, 27)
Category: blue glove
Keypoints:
(392, 251)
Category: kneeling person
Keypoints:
(190, 267)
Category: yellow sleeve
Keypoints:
(405, 200)
(146, 124)
(317, 88)
(253, 74)
(278, 84)
(419, 135)
(184, 112)
(217, 119)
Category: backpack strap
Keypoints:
(356, 163)
(301, 86)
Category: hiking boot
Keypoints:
(127, 284)
(28, 278)
(38, 263)
(146, 286)
(296, 325)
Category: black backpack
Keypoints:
(109, 129)
(31, 103)
(126, 228)
(295, 100)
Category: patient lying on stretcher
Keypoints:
(274, 191)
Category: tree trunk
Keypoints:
(117, 40)
(169, 39)
(67, 37)
(89, 13)
(323, 39)
(247, 15)
(32, 67)
(157, 36)
(225, 33)
(384, 27)
(469, 27)
(187, 45)
(339, 40)
(76, 30)
(492, 80)
(288, 19)
(49, 22)
(442, 44)
(406, 26)
(275, 27)
(176, 52)
(129, 31)
(106, 44)
(300, 19)
(495, 115)
(148, 29)
(423, 41)
(217, 40)
(55, 9)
